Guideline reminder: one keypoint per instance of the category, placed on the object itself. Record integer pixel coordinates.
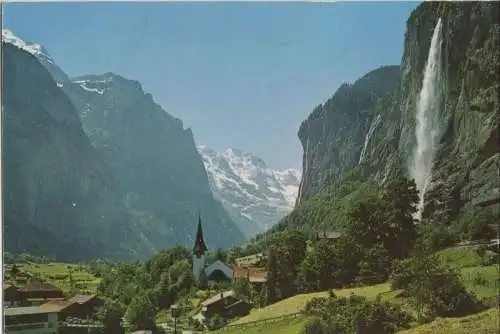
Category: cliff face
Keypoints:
(467, 161)
(53, 178)
(334, 136)
(160, 178)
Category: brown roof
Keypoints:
(254, 275)
(57, 305)
(217, 297)
(38, 286)
(81, 299)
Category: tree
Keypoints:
(434, 289)
(375, 266)
(242, 288)
(272, 276)
(14, 271)
(141, 312)
(110, 314)
(401, 199)
(474, 224)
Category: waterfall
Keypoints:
(372, 128)
(427, 129)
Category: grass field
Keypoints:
(460, 257)
(486, 322)
(298, 302)
(58, 274)
(285, 326)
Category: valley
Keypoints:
(118, 219)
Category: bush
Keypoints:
(354, 314)
(317, 326)
(434, 289)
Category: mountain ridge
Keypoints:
(255, 195)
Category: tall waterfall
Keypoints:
(427, 129)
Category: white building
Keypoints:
(215, 272)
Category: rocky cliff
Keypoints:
(466, 167)
(53, 179)
(337, 135)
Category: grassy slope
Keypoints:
(58, 274)
(486, 322)
(482, 281)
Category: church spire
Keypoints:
(199, 246)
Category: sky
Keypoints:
(241, 75)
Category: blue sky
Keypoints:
(241, 75)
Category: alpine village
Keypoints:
(107, 231)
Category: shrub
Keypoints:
(317, 326)
(354, 314)
(434, 289)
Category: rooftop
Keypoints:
(218, 297)
(56, 305)
(15, 311)
(36, 285)
(81, 299)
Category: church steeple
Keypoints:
(200, 247)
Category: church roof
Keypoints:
(199, 246)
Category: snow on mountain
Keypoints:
(33, 48)
(256, 196)
(39, 52)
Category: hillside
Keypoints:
(255, 196)
(367, 129)
(103, 163)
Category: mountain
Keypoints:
(54, 180)
(255, 196)
(367, 130)
(157, 181)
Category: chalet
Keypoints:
(11, 296)
(37, 292)
(87, 305)
(31, 319)
(254, 275)
(63, 308)
(323, 235)
(226, 304)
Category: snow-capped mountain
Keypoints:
(256, 196)
(39, 52)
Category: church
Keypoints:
(215, 272)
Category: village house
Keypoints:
(80, 307)
(255, 276)
(11, 295)
(37, 292)
(30, 320)
(225, 304)
(87, 305)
